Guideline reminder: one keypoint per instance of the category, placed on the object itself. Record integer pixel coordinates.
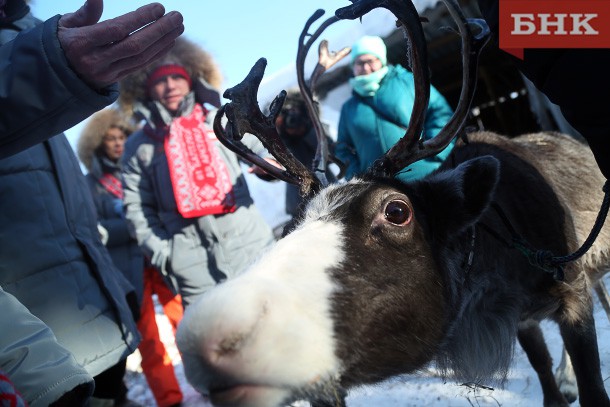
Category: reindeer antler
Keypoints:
(326, 60)
(410, 147)
(244, 116)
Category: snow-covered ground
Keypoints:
(427, 389)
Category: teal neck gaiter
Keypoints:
(367, 85)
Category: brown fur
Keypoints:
(548, 152)
(91, 137)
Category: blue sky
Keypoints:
(236, 32)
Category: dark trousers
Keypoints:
(109, 384)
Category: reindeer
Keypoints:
(380, 278)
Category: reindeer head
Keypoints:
(317, 312)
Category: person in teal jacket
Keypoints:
(378, 113)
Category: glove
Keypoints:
(102, 53)
(118, 207)
(103, 233)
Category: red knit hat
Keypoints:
(166, 70)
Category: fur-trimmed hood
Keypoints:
(92, 135)
(198, 63)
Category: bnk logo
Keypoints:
(553, 24)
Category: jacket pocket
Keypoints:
(187, 252)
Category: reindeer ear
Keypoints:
(478, 179)
(455, 199)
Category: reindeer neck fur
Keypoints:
(502, 288)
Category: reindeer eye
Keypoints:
(398, 212)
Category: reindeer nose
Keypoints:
(217, 349)
(217, 332)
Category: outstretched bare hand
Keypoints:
(101, 53)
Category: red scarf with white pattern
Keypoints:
(200, 178)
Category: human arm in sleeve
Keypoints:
(141, 212)
(63, 70)
(40, 368)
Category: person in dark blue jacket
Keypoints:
(65, 303)
(379, 111)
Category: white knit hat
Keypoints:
(370, 45)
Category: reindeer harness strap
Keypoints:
(597, 227)
(545, 259)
